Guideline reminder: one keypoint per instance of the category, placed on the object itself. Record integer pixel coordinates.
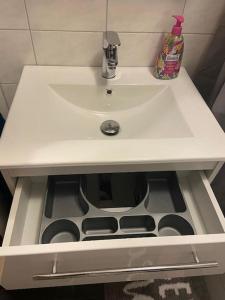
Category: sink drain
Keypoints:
(110, 127)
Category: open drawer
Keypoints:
(25, 263)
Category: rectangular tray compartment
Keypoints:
(94, 226)
(63, 199)
(117, 236)
(164, 193)
(137, 223)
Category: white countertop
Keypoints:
(34, 135)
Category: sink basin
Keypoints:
(141, 111)
(53, 126)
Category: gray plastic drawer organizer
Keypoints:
(114, 206)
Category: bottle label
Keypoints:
(172, 57)
(169, 61)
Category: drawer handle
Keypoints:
(148, 269)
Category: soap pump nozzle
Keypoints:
(177, 29)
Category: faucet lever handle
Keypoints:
(110, 38)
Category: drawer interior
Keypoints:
(77, 208)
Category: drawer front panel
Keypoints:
(90, 169)
(118, 264)
(25, 264)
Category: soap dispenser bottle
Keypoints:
(169, 60)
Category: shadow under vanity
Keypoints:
(113, 206)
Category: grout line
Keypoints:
(8, 83)
(68, 30)
(65, 65)
(14, 29)
(81, 66)
(163, 32)
(131, 32)
(185, 1)
(198, 33)
(32, 42)
(107, 9)
(63, 30)
(86, 31)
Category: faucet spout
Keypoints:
(110, 57)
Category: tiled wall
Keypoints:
(69, 32)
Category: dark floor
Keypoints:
(83, 292)
(123, 290)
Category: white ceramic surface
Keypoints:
(143, 112)
(43, 129)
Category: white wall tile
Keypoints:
(9, 90)
(16, 51)
(68, 48)
(3, 106)
(13, 14)
(139, 49)
(195, 49)
(133, 19)
(142, 15)
(203, 16)
(80, 15)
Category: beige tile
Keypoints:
(80, 15)
(13, 14)
(203, 16)
(68, 48)
(139, 49)
(15, 52)
(9, 90)
(142, 15)
(3, 106)
(195, 49)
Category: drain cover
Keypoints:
(110, 127)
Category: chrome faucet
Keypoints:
(110, 58)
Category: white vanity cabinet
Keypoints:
(32, 148)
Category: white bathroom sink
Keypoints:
(143, 112)
(55, 120)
